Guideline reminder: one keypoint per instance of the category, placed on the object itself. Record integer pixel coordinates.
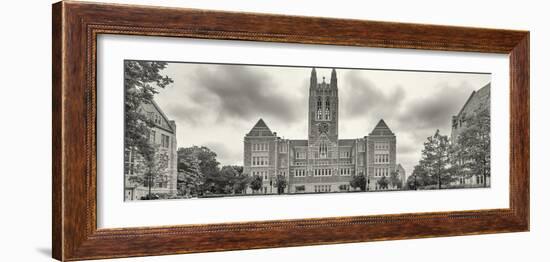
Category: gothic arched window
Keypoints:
(319, 108)
(323, 149)
(327, 109)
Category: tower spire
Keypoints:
(333, 79)
(313, 78)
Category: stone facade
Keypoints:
(480, 99)
(322, 162)
(162, 135)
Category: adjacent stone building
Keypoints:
(478, 100)
(322, 162)
(163, 135)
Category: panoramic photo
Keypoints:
(202, 130)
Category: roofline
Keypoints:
(470, 98)
(163, 116)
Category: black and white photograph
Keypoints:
(203, 130)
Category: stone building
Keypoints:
(478, 100)
(163, 136)
(322, 162)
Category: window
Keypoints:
(381, 146)
(300, 173)
(129, 157)
(361, 147)
(260, 161)
(361, 161)
(319, 109)
(165, 141)
(345, 171)
(381, 172)
(300, 155)
(381, 158)
(479, 179)
(345, 154)
(262, 174)
(260, 146)
(323, 149)
(322, 188)
(327, 109)
(152, 136)
(284, 148)
(322, 172)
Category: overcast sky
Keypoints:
(216, 105)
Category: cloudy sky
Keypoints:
(216, 105)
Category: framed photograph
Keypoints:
(181, 130)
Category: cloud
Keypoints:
(362, 98)
(435, 110)
(185, 113)
(242, 93)
(225, 155)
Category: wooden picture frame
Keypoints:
(76, 25)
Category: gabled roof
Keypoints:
(476, 94)
(150, 107)
(260, 129)
(381, 129)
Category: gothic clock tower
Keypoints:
(323, 116)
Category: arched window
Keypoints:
(323, 149)
(327, 108)
(319, 108)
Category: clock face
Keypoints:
(323, 128)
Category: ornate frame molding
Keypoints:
(76, 26)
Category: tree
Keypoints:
(141, 82)
(395, 180)
(153, 166)
(256, 183)
(225, 181)
(383, 183)
(208, 166)
(420, 177)
(473, 147)
(340, 187)
(436, 158)
(280, 184)
(190, 177)
(358, 181)
(240, 183)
